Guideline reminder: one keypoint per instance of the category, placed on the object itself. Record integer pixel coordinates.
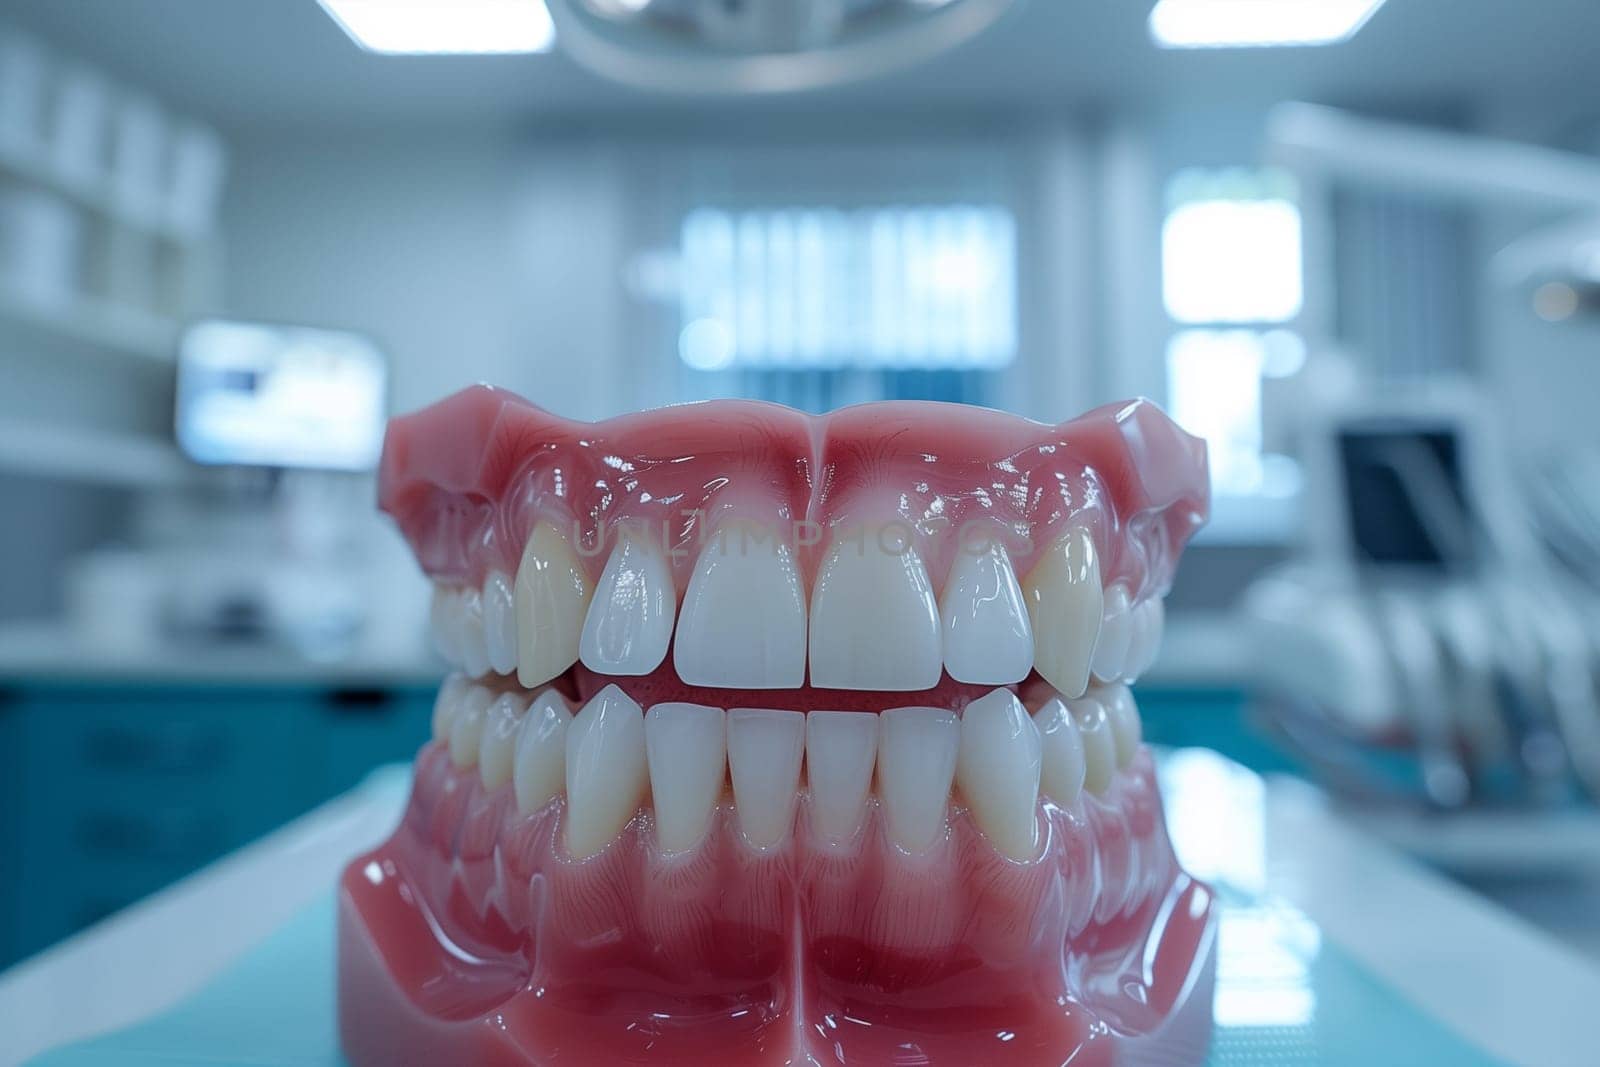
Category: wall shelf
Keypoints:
(96, 326)
(95, 457)
(31, 165)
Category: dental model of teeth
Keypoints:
(781, 739)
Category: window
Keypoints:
(1232, 279)
(892, 289)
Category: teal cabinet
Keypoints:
(110, 793)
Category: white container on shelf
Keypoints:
(79, 131)
(194, 186)
(24, 73)
(138, 156)
(41, 246)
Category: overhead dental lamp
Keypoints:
(762, 46)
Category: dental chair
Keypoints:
(1426, 647)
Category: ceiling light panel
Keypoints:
(1257, 23)
(445, 27)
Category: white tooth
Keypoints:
(1063, 772)
(500, 622)
(874, 622)
(497, 747)
(1123, 716)
(743, 623)
(466, 730)
(447, 703)
(841, 748)
(630, 618)
(917, 753)
(988, 637)
(1099, 746)
(552, 594)
(469, 630)
(1064, 601)
(998, 771)
(540, 769)
(1111, 651)
(441, 622)
(687, 748)
(1149, 618)
(606, 777)
(764, 751)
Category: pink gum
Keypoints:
(467, 478)
(736, 950)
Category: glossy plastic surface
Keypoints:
(471, 935)
(468, 477)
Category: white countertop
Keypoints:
(1495, 980)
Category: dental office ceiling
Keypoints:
(285, 61)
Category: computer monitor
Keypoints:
(266, 395)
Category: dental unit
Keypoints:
(774, 738)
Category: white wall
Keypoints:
(469, 257)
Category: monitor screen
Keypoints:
(1407, 494)
(261, 395)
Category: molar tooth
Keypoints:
(917, 753)
(629, 624)
(1123, 716)
(468, 616)
(1062, 750)
(687, 750)
(552, 594)
(540, 767)
(1111, 651)
(498, 744)
(764, 751)
(841, 748)
(1149, 619)
(743, 623)
(874, 622)
(998, 771)
(447, 703)
(441, 624)
(606, 777)
(988, 637)
(500, 622)
(1064, 601)
(466, 729)
(1099, 746)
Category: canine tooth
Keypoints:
(743, 623)
(874, 622)
(447, 703)
(497, 748)
(988, 637)
(686, 746)
(466, 729)
(1064, 601)
(552, 594)
(629, 624)
(1111, 651)
(764, 750)
(841, 748)
(441, 622)
(1149, 618)
(540, 768)
(1123, 716)
(468, 618)
(1099, 746)
(606, 777)
(1062, 751)
(917, 754)
(998, 771)
(500, 622)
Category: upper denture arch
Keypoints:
(467, 479)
